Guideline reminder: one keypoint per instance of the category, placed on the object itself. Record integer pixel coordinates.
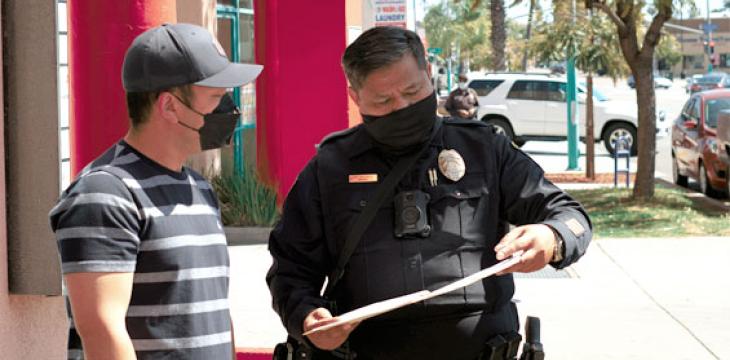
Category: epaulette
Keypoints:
(337, 135)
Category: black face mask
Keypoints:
(218, 126)
(402, 131)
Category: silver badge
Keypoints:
(452, 165)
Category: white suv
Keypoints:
(533, 107)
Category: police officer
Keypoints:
(476, 182)
(463, 102)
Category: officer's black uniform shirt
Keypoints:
(468, 218)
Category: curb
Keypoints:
(238, 236)
(696, 196)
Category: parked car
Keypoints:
(713, 80)
(659, 81)
(533, 107)
(691, 81)
(723, 142)
(696, 152)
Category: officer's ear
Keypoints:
(353, 95)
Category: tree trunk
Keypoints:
(527, 34)
(590, 140)
(498, 35)
(646, 134)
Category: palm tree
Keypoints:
(498, 35)
(530, 15)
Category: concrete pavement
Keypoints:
(643, 298)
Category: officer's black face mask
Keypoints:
(402, 131)
(218, 126)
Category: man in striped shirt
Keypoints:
(142, 247)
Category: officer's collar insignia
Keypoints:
(452, 165)
(362, 178)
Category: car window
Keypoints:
(712, 110)
(597, 94)
(484, 87)
(687, 107)
(709, 79)
(555, 91)
(527, 90)
(694, 112)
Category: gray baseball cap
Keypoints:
(179, 54)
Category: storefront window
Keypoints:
(236, 35)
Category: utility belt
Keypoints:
(500, 347)
(295, 350)
(505, 346)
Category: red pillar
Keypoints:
(302, 92)
(99, 34)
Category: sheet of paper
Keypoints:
(384, 306)
(483, 274)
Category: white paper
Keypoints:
(384, 306)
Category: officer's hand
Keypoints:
(328, 339)
(537, 241)
(463, 113)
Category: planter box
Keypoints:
(247, 235)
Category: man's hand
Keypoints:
(463, 113)
(537, 241)
(328, 339)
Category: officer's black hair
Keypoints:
(380, 47)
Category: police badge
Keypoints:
(452, 165)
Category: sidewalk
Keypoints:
(637, 299)
(626, 299)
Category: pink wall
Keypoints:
(100, 33)
(302, 92)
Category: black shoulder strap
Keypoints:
(366, 217)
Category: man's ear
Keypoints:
(166, 107)
(353, 95)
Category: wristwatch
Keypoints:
(557, 249)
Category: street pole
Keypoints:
(571, 102)
(709, 39)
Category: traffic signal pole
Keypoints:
(572, 103)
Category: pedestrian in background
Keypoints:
(463, 102)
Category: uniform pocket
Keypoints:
(460, 208)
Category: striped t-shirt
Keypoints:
(126, 213)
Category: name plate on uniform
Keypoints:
(363, 178)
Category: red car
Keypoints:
(695, 150)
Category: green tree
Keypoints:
(669, 50)
(639, 51)
(453, 26)
(592, 40)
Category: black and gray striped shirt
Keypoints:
(126, 213)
